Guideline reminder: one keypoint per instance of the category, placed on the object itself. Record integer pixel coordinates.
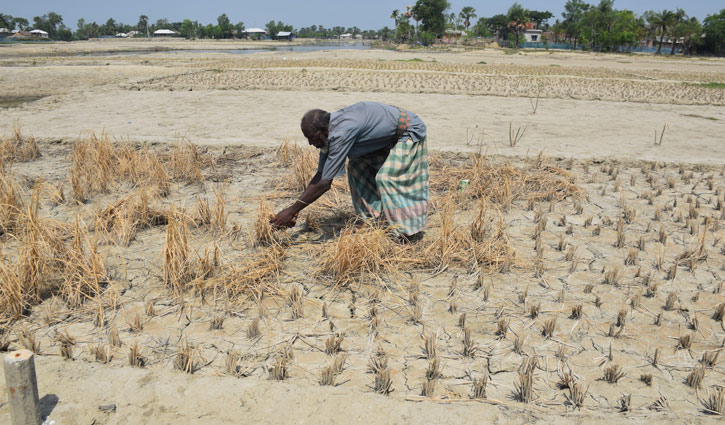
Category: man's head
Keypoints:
(314, 126)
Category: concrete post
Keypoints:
(22, 388)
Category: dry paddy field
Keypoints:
(583, 284)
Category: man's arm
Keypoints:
(314, 190)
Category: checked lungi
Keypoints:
(393, 183)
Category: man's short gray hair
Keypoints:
(315, 120)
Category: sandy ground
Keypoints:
(250, 99)
(621, 324)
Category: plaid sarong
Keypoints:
(393, 184)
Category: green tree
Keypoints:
(466, 14)
(432, 14)
(271, 29)
(48, 23)
(676, 28)
(110, 27)
(517, 17)
(239, 29)
(92, 30)
(143, 25)
(690, 30)
(540, 18)
(64, 33)
(226, 30)
(6, 21)
(394, 17)
(596, 26)
(662, 21)
(21, 23)
(404, 29)
(161, 24)
(81, 30)
(557, 30)
(498, 25)
(274, 28)
(386, 33)
(574, 11)
(187, 29)
(481, 28)
(714, 29)
(623, 31)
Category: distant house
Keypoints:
(165, 33)
(285, 35)
(346, 36)
(39, 33)
(533, 35)
(133, 33)
(4, 32)
(451, 36)
(255, 33)
(121, 35)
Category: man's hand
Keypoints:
(285, 218)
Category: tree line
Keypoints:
(53, 24)
(599, 27)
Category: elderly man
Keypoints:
(387, 163)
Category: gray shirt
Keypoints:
(361, 129)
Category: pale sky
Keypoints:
(365, 14)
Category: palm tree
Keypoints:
(417, 19)
(676, 29)
(517, 17)
(394, 17)
(662, 21)
(466, 14)
(143, 22)
(452, 20)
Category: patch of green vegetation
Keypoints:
(710, 85)
(410, 60)
(482, 63)
(555, 65)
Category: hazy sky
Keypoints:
(365, 14)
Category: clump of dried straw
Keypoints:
(263, 233)
(18, 148)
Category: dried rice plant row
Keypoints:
(51, 259)
(98, 165)
(254, 278)
(469, 83)
(502, 184)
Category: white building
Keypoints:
(164, 33)
(39, 33)
(533, 35)
(346, 36)
(255, 32)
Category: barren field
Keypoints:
(580, 284)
